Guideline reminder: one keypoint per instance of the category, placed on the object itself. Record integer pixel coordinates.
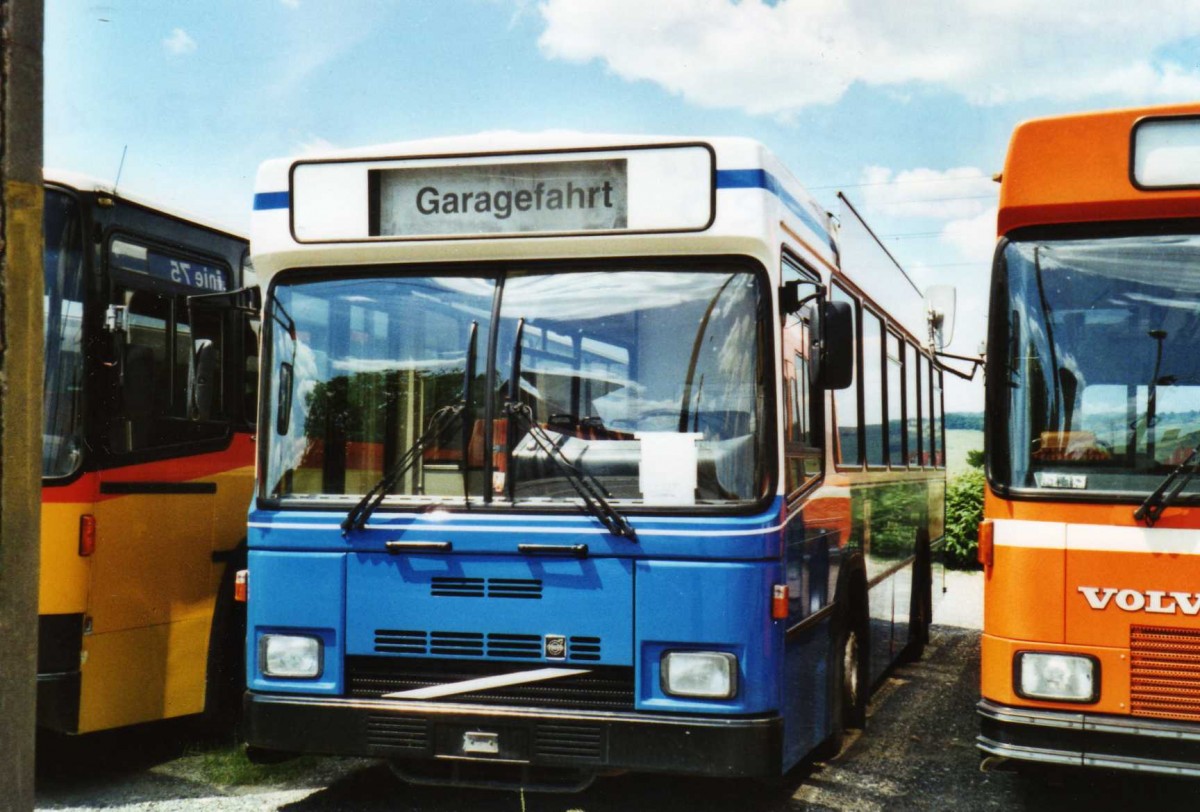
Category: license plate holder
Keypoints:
(486, 743)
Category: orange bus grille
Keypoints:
(1164, 676)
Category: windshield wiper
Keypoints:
(439, 424)
(1168, 490)
(588, 489)
(441, 421)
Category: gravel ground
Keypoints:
(918, 754)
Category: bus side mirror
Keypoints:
(939, 309)
(202, 379)
(835, 357)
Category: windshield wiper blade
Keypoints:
(589, 491)
(1168, 490)
(439, 424)
(441, 421)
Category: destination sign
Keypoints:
(1166, 152)
(500, 198)
(129, 256)
(589, 191)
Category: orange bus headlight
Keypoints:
(1056, 677)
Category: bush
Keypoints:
(964, 511)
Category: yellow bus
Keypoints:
(147, 463)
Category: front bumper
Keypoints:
(1090, 740)
(578, 740)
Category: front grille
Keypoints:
(1164, 675)
(601, 688)
(476, 644)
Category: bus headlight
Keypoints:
(706, 674)
(288, 655)
(1056, 677)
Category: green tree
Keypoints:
(975, 458)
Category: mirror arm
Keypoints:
(976, 363)
(788, 293)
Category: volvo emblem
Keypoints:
(556, 647)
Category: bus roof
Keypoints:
(1079, 169)
(87, 183)
(292, 227)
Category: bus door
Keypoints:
(153, 574)
(810, 528)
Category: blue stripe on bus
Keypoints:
(726, 179)
(271, 200)
(762, 179)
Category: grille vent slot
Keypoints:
(569, 741)
(1164, 674)
(456, 587)
(525, 646)
(456, 644)
(523, 588)
(474, 644)
(586, 649)
(397, 733)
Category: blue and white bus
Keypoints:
(580, 454)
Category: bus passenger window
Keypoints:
(872, 383)
(895, 400)
(158, 354)
(912, 405)
(845, 402)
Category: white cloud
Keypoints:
(315, 144)
(776, 59)
(291, 3)
(179, 43)
(973, 237)
(946, 194)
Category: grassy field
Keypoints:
(958, 443)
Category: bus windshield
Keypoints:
(648, 382)
(62, 304)
(1102, 369)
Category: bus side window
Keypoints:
(912, 405)
(158, 353)
(250, 333)
(846, 402)
(803, 412)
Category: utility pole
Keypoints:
(20, 389)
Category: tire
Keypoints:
(849, 662)
(225, 679)
(920, 606)
(853, 662)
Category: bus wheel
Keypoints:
(921, 605)
(853, 671)
(225, 678)
(849, 680)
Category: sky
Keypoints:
(906, 107)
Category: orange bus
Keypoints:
(1091, 533)
(147, 462)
